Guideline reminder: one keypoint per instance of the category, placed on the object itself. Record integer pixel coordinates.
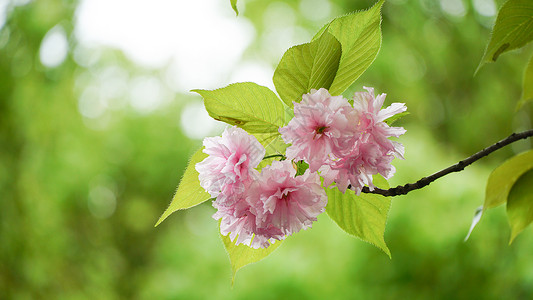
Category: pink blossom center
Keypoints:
(319, 131)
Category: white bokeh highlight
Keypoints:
(54, 47)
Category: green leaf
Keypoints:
(189, 192)
(308, 66)
(396, 117)
(272, 142)
(513, 29)
(520, 204)
(234, 6)
(360, 37)
(527, 86)
(363, 216)
(250, 106)
(301, 167)
(242, 255)
(502, 179)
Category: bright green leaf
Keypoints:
(527, 86)
(360, 37)
(301, 167)
(234, 6)
(189, 192)
(513, 29)
(308, 66)
(396, 117)
(272, 142)
(241, 255)
(502, 179)
(520, 204)
(363, 216)
(250, 106)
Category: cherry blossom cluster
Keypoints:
(257, 208)
(346, 144)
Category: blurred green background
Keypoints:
(89, 160)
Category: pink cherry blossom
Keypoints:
(284, 203)
(371, 152)
(357, 167)
(238, 219)
(321, 124)
(372, 117)
(231, 159)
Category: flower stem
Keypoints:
(275, 155)
(404, 189)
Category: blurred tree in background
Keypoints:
(87, 166)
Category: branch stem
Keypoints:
(404, 189)
(275, 155)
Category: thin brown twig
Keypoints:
(404, 189)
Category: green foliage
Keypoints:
(272, 142)
(301, 167)
(520, 204)
(234, 6)
(396, 117)
(527, 86)
(308, 66)
(363, 216)
(241, 255)
(250, 106)
(189, 192)
(513, 29)
(502, 179)
(360, 37)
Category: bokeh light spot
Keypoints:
(485, 8)
(196, 122)
(102, 202)
(54, 47)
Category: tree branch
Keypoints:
(404, 189)
(275, 155)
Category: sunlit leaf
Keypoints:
(242, 255)
(513, 29)
(396, 117)
(272, 142)
(502, 179)
(360, 36)
(520, 204)
(250, 106)
(189, 192)
(363, 216)
(234, 6)
(527, 86)
(308, 66)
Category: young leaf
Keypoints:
(360, 37)
(502, 179)
(189, 192)
(242, 255)
(527, 86)
(477, 216)
(513, 29)
(520, 204)
(250, 106)
(396, 117)
(234, 6)
(363, 216)
(272, 142)
(308, 66)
